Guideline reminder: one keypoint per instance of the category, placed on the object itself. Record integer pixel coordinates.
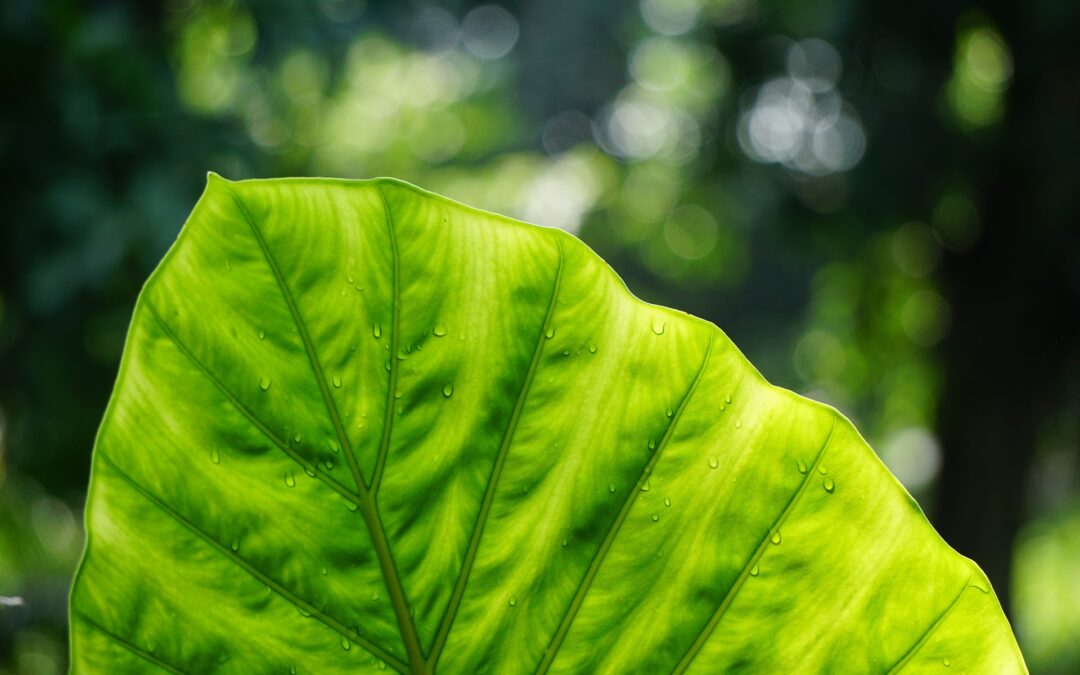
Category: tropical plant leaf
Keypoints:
(358, 426)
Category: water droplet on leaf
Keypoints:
(658, 326)
(713, 462)
(337, 381)
(439, 330)
(754, 571)
(215, 456)
(265, 383)
(801, 465)
(262, 334)
(829, 485)
(550, 332)
(376, 329)
(592, 347)
(776, 537)
(448, 390)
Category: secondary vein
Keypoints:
(368, 506)
(590, 575)
(929, 630)
(395, 321)
(258, 574)
(500, 459)
(309, 466)
(703, 636)
(128, 645)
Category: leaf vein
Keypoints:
(128, 645)
(609, 539)
(258, 574)
(910, 654)
(740, 581)
(308, 466)
(496, 471)
(395, 322)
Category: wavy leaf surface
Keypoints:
(358, 426)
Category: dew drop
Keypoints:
(646, 486)
(328, 463)
(265, 383)
(550, 332)
(345, 644)
(564, 542)
(376, 329)
(439, 330)
(215, 456)
(727, 399)
(738, 424)
(611, 488)
(386, 365)
(822, 470)
(262, 334)
(566, 352)
(776, 537)
(235, 545)
(592, 347)
(397, 394)
(667, 501)
(303, 612)
(670, 412)
(713, 462)
(448, 390)
(382, 665)
(350, 279)
(228, 264)
(655, 517)
(375, 596)
(828, 484)
(658, 326)
(946, 662)
(296, 438)
(652, 444)
(309, 470)
(292, 670)
(801, 465)
(512, 601)
(755, 570)
(290, 480)
(337, 381)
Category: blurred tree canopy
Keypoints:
(877, 201)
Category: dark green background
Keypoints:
(879, 202)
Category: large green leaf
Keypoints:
(360, 426)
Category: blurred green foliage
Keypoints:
(877, 203)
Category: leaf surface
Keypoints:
(358, 426)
